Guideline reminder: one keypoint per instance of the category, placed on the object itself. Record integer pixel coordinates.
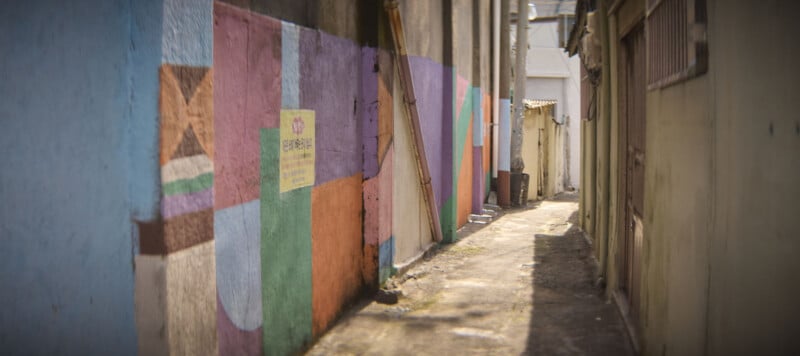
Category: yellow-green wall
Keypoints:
(722, 168)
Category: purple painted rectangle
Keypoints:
(368, 111)
(329, 85)
(433, 85)
(478, 180)
(180, 204)
(448, 128)
(235, 341)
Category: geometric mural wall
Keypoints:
(187, 151)
(175, 284)
(287, 262)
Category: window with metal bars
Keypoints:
(676, 41)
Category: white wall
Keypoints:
(554, 76)
(573, 108)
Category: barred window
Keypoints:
(676, 41)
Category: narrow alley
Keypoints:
(520, 285)
(279, 177)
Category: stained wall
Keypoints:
(175, 296)
(751, 294)
(720, 188)
(175, 144)
(291, 261)
(66, 276)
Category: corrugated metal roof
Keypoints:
(535, 103)
(548, 8)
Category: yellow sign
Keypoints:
(297, 149)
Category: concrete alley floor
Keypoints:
(521, 285)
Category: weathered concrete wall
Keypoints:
(341, 18)
(440, 40)
(248, 77)
(462, 32)
(330, 68)
(720, 191)
(184, 157)
(178, 247)
(558, 89)
(423, 24)
(337, 247)
(441, 33)
(66, 277)
(315, 247)
(379, 115)
(411, 227)
(543, 153)
(553, 75)
(719, 186)
(286, 254)
(676, 218)
(572, 110)
(546, 89)
(482, 138)
(756, 170)
(702, 295)
(433, 84)
(532, 132)
(484, 16)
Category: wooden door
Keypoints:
(633, 86)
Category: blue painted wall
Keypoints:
(78, 163)
(143, 143)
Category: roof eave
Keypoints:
(578, 28)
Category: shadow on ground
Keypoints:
(567, 307)
(520, 285)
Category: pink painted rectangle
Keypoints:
(247, 96)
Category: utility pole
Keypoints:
(520, 75)
(504, 142)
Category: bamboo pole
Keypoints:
(410, 99)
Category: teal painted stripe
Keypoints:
(285, 256)
(386, 260)
(190, 185)
(462, 127)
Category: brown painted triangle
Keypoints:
(189, 145)
(189, 79)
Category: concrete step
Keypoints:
(480, 219)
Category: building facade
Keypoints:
(690, 153)
(224, 177)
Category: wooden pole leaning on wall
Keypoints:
(410, 99)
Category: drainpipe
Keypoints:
(504, 141)
(410, 97)
(495, 84)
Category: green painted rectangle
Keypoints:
(189, 185)
(488, 185)
(447, 219)
(285, 256)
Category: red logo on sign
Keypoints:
(298, 125)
